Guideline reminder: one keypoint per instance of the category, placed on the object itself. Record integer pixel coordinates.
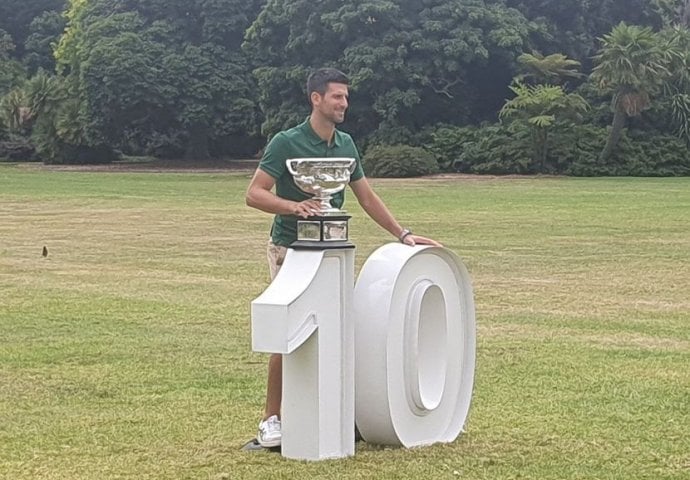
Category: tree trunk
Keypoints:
(615, 134)
(197, 144)
(539, 149)
(544, 149)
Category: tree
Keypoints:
(12, 73)
(632, 65)
(684, 13)
(539, 108)
(573, 26)
(675, 12)
(152, 74)
(16, 17)
(13, 111)
(677, 88)
(44, 33)
(553, 69)
(54, 125)
(411, 63)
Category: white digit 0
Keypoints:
(415, 346)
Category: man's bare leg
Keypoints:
(270, 435)
(274, 387)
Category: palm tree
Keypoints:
(552, 69)
(13, 110)
(632, 65)
(677, 87)
(541, 107)
(684, 13)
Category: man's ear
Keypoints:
(315, 98)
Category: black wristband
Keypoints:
(403, 234)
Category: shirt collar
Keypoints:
(315, 139)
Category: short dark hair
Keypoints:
(318, 81)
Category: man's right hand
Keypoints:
(306, 208)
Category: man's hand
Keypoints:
(306, 208)
(259, 195)
(413, 240)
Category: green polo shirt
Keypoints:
(302, 142)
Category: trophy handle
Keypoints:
(290, 168)
(353, 166)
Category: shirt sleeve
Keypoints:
(359, 171)
(273, 159)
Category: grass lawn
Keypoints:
(125, 353)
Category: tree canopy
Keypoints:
(409, 61)
(86, 80)
(160, 74)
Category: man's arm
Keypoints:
(260, 196)
(377, 210)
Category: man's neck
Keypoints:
(323, 128)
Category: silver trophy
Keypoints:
(322, 178)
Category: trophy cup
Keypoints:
(322, 177)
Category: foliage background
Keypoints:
(91, 80)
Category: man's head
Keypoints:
(328, 94)
(318, 81)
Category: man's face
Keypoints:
(332, 104)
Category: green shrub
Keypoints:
(575, 151)
(4, 132)
(83, 155)
(398, 135)
(16, 148)
(645, 155)
(395, 161)
(489, 150)
(638, 154)
(572, 150)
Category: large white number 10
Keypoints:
(398, 350)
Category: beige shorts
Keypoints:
(276, 256)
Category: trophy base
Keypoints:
(317, 245)
(322, 232)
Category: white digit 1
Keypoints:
(415, 346)
(305, 314)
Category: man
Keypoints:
(327, 89)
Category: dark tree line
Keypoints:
(85, 80)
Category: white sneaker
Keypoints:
(269, 432)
